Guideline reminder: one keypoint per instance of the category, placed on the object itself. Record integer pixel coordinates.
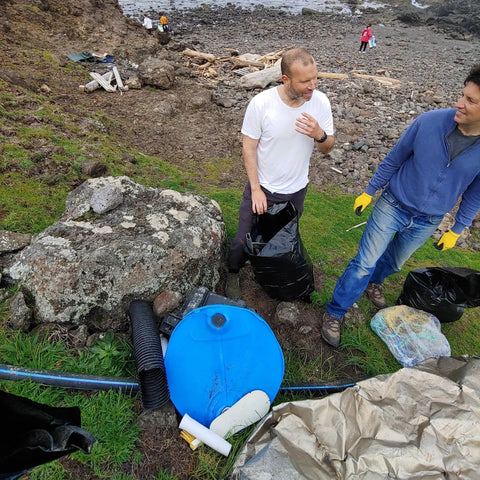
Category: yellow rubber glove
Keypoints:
(447, 240)
(361, 203)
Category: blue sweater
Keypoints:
(420, 175)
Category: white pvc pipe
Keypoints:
(205, 435)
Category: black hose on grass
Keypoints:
(69, 380)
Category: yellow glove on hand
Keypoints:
(447, 240)
(361, 203)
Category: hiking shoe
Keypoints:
(232, 287)
(374, 293)
(331, 328)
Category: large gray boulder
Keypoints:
(157, 72)
(87, 267)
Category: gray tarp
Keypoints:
(418, 423)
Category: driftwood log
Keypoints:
(334, 76)
(261, 78)
(209, 57)
(105, 81)
(274, 56)
(233, 51)
(118, 79)
(379, 79)
(266, 62)
(239, 63)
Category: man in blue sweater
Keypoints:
(436, 161)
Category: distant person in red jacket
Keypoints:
(366, 36)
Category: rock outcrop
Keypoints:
(87, 267)
(157, 72)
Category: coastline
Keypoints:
(135, 8)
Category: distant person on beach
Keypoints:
(280, 129)
(163, 24)
(147, 23)
(435, 162)
(366, 36)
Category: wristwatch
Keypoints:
(324, 137)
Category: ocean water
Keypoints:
(134, 8)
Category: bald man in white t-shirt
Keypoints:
(280, 129)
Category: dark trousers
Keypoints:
(363, 46)
(236, 255)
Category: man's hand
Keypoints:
(447, 240)
(307, 125)
(249, 153)
(259, 201)
(361, 203)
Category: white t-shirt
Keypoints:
(283, 154)
(147, 23)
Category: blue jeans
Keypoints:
(390, 237)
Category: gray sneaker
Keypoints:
(374, 293)
(331, 329)
(232, 287)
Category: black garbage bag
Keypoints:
(443, 291)
(279, 259)
(32, 434)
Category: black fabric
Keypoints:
(444, 292)
(33, 434)
(279, 259)
(237, 255)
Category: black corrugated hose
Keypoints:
(147, 349)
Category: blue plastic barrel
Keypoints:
(216, 355)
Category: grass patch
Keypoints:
(50, 471)
(157, 173)
(110, 418)
(213, 466)
(299, 369)
(12, 152)
(163, 475)
(229, 202)
(30, 206)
